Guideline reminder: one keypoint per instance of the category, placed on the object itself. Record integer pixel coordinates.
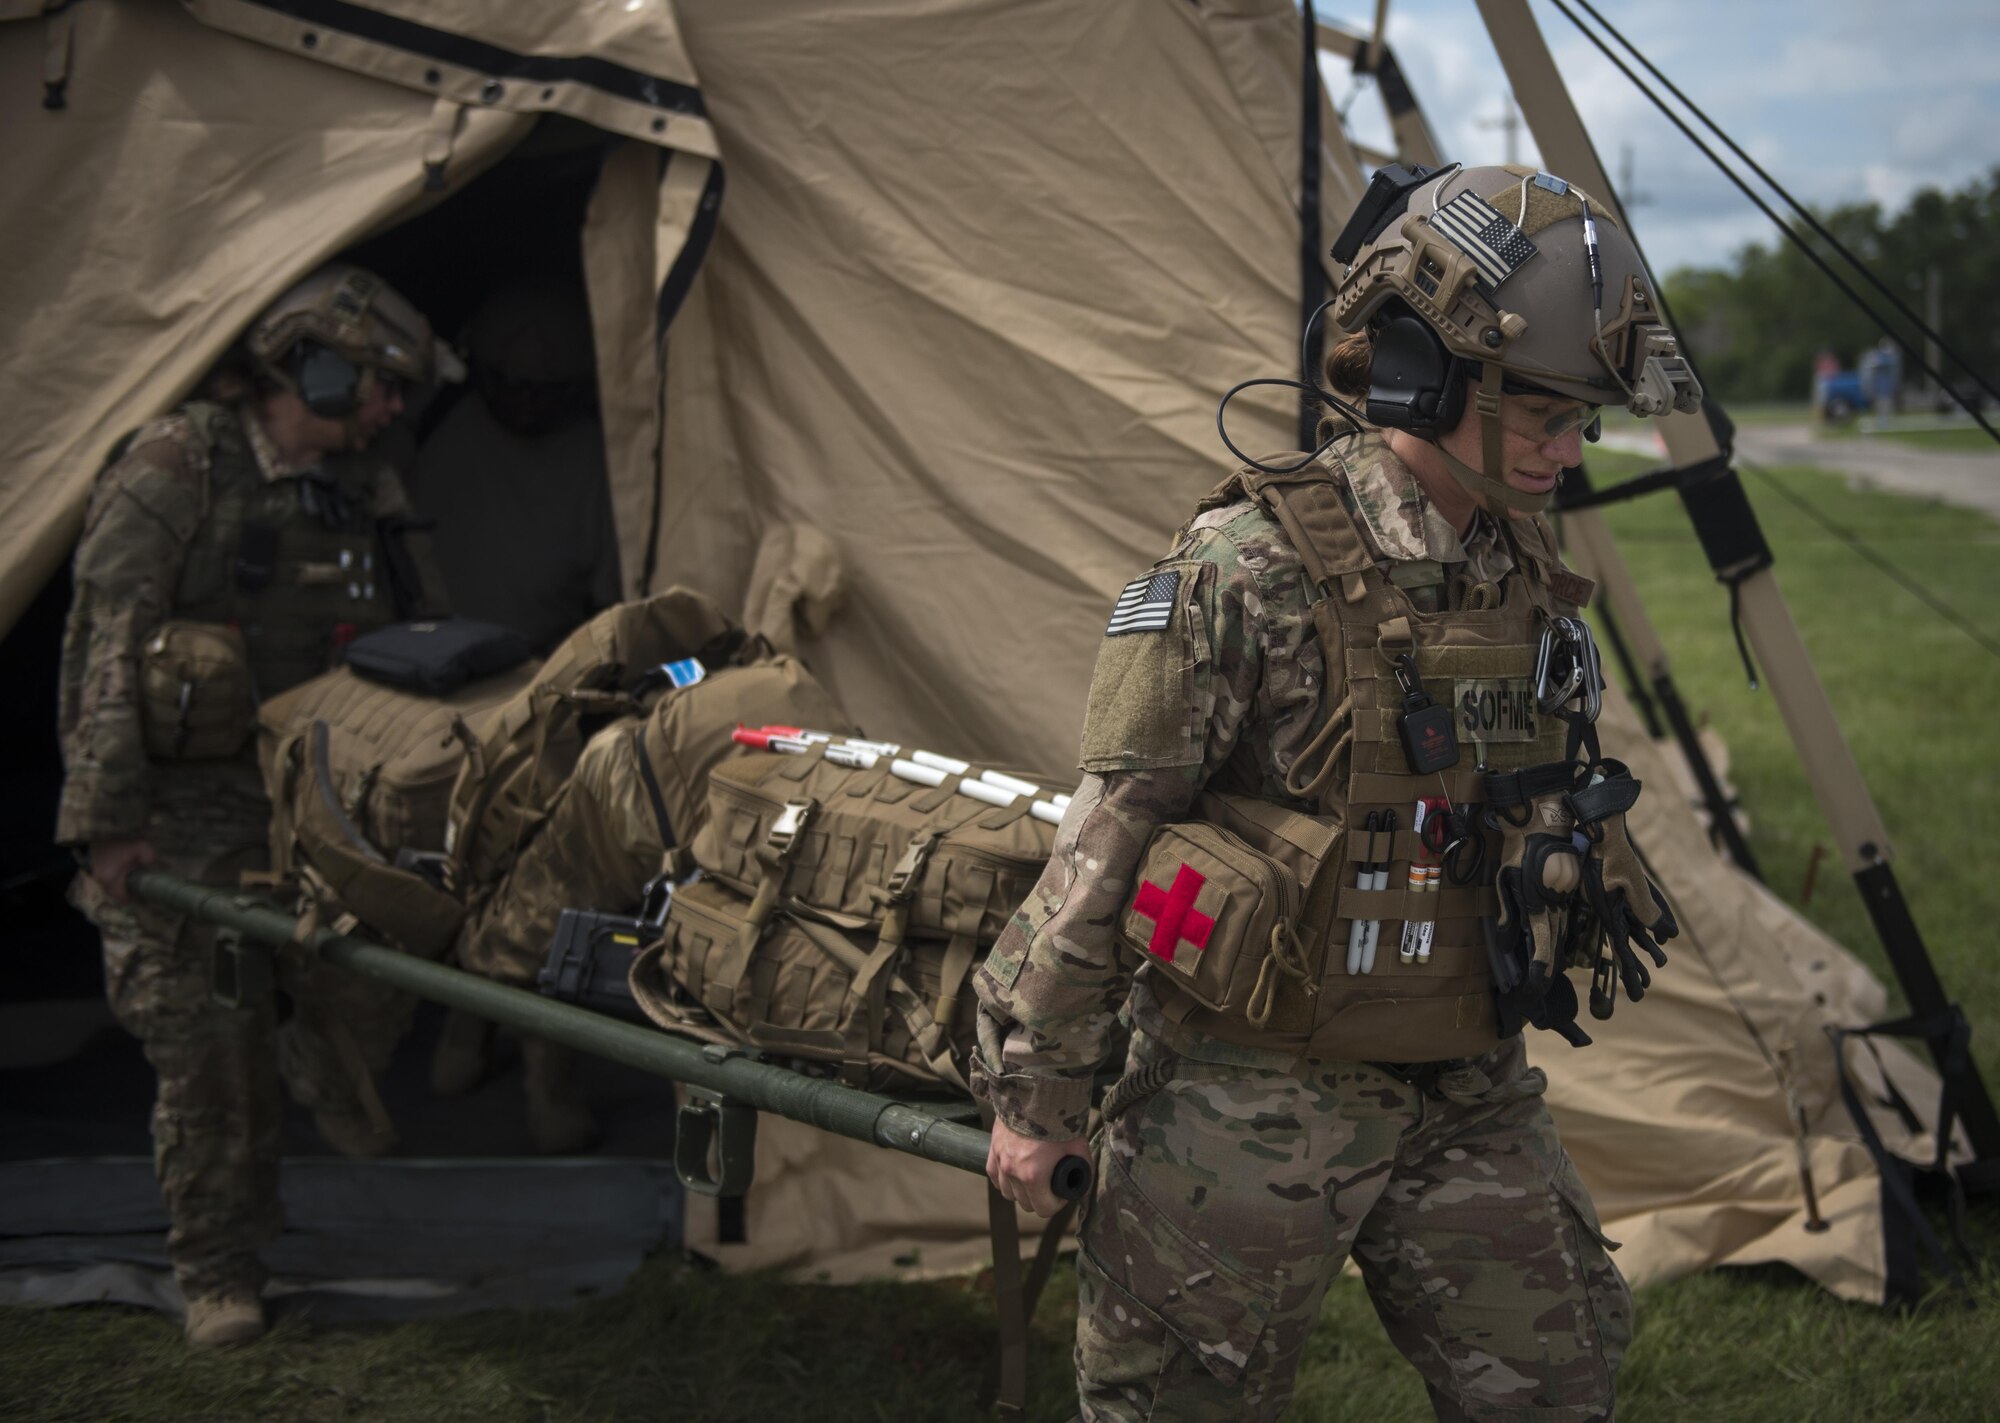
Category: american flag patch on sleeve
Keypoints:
(1476, 228)
(1146, 605)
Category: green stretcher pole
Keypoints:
(731, 1075)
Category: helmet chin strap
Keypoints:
(1490, 486)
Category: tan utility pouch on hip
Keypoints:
(1224, 909)
(792, 985)
(194, 687)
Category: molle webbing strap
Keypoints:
(1510, 789)
(646, 774)
(870, 984)
(1318, 525)
(975, 893)
(1615, 794)
(1010, 1304)
(1333, 554)
(774, 858)
(1443, 662)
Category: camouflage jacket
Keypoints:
(148, 509)
(1244, 705)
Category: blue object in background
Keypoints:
(1842, 394)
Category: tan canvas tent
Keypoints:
(979, 276)
(188, 176)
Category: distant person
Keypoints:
(514, 473)
(231, 549)
(1885, 378)
(1826, 365)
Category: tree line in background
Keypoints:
(1755, 328)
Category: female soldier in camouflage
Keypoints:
(1252, 1146)
(229, 552)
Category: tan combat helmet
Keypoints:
(1510, 278)
(357, 316)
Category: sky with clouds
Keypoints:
(1841, 100)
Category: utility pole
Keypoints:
(1629, 196)
(1509, 123)
(1934, 317)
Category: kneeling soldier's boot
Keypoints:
(230, 1316)
(558, 1121)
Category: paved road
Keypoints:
(1966, 480)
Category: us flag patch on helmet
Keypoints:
(1146, 605)
(1476, 228)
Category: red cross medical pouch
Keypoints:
(1223, 911)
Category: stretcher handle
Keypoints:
(1071, 1179)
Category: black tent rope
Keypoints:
(1803, 213)
(1916, 356)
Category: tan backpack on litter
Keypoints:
(639, 787)
(531, 745)
(360, 776)
(841, 917)
(405, 810)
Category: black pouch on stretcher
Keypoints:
(437, 656)
(840, 916)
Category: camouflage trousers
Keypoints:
(600, 844)
(1229, 1197)
(216, 1111)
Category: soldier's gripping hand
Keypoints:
(111, 861)
(1021, 1168)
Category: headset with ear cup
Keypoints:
(327, 381)
(1414, 383)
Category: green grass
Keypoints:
(1780, 412)
(679, 1343)
(1913, 694)
(1961, 439)
(1744, 1346)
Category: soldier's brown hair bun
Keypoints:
(1347, 364)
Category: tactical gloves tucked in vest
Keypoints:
(1571, 891)
(1627, 908)
(1540, 866)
